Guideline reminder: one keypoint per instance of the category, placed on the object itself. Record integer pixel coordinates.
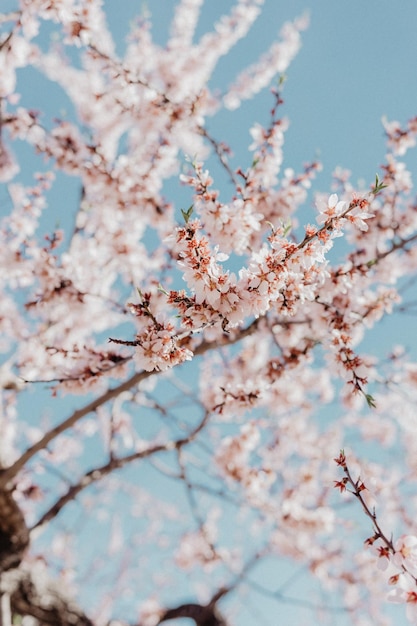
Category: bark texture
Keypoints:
(14, 534)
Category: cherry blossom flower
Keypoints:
(406, 553)
(405, 592)
(332, 209)
(236, 364)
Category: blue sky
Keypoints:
(358, 62)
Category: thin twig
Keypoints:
(114, 464)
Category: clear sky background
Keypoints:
(358, 62)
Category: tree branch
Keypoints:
(201, 614)
(30, 595)
(100, 472)
(6, 475)
(14, 534)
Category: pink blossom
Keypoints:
(213, 358)
(332, 209)
(405, 591)
(8, 165)
(150, 612)
(406, 553)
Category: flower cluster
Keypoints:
(233, 461)
(268, 287)
(157, 346)
(396, 559)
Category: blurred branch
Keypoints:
(44, 601)
(221, 150)
(201, 614)
(114, 464)
(9, 17)
(7, 474)
(14, 534)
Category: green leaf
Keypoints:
(162, 290)
(370, 401)
(378, 186)
(287, 227)
(187, 214)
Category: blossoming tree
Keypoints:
(176, 382)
